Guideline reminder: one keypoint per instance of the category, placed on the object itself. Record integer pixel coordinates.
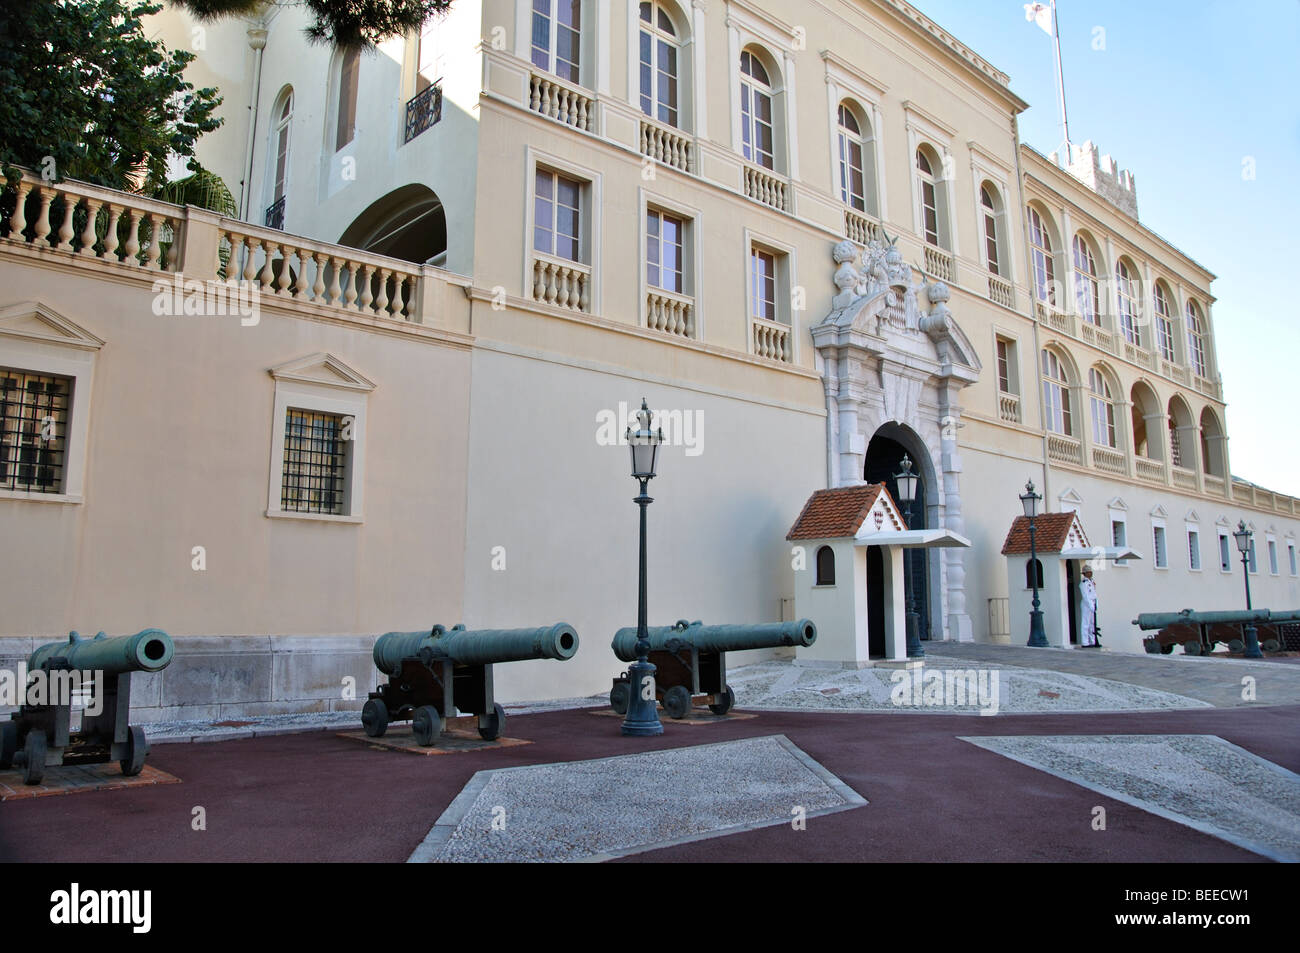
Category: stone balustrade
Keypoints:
(771, 340)
(762, 186)
(557, 100)
(858, 228)
(1001, 292)
(1148, 469)
(1009, 408)
(562, 283)
(667, 145)
(669, 312)
(1109, 460)
(1063, 449)
(939, 264)
(1185, 479)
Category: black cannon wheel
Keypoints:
(1236, 645)
(34, 758)
(728, 702)
(426, 724)
(1166, 649)
(1270, 645)
(677, 701)
(1191, 647)
(137, 749)
(374, 718)
(8, 744)
(494, 723)
(619, 696)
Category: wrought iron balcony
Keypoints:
(423, 110)
(275, 214)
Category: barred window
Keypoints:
(33, 430)
(315, 471)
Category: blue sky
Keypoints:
(1182, 94)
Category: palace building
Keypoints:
(808, 234)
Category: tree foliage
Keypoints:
(82, 85)
(345, 23)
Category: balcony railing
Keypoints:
(1063, 449)
(859, 228)
(1001, 292)
(670, 312)
(763, 186)
(939, 264)
(274, 217)
(1153, 470)
(1097, 336)
(667, 145)
(771, 339)
(557, 100)
(1184, 478)
(1108, 460)
(1214, 486)
(562, 283)
(1136, 354)
(423, 110)
(1057, 320)
(1009, 408)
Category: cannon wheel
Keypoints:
(1236, 645)
(618, 696)
(495, 722)
(137, 749)
(1166, 649)
(8, 744)
(677, 701)
(1269, 645)
(728, 702)
(374, 718)
(34, 758)
(427, 725)
(1192, 647)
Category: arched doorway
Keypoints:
(408, 223)
(884, 459)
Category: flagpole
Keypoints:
(1060, 82)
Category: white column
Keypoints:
(791, 116)
(733, 80)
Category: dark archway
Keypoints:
(884, 459)
(875, 603)
(408, 223)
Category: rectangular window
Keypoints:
(1254, 566)
(557, 33)
(991, 242)
(1193, 549)
(1004, 366)
(1225, 553)
(315, 469)
(1119, 537)
(1162, 555)
(1272, 556)
(930, 213)
(557, 216)
(1290, 551)
(33, 430)
(349, 72)
(664, 245)
(762, 284)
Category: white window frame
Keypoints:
(1117, 512)
(280, 127)
(1274, 566)
(1226, 545)
(306, 384)
(38, 340)
(680, 43)
(589, 248)
(845, 81)
(1107, 403)
(748, 26)
(552, 48)
(692, 254)
(1043, 278)
(1082, 279)
(1001, 336)
(335, 101)
(1159, 534)
(1166, 344)
(1067, 411)
(1194, 320)
(1293, 565)
(785, 280)
(1129, 301)
(986, 167)
(925, 129)
(1194, 561)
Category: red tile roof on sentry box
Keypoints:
(829, 514)
(1051, 532)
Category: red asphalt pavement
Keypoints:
(316, 797)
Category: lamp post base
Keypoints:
(1252, 643)
(1037, 634)
(642, 714)
(914, 647)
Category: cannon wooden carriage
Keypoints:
(435, 674)
(690, 660)
(39, 734)
(1200, 632)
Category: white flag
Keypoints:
(1041, 14)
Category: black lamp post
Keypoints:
(1243, 536)
(905, 483)
(642, 709)
(1029, 500)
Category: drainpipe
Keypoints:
(257, 42)
(1038, 387)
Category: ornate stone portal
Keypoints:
(890, 353)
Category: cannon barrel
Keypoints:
(476, 647)
(147, 651)
(1159, 620)
(717, 638)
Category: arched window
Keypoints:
(1086, 289)
(1103, 410)
(825, 566)
(1164, 323)
(1041, 263)
(990, 211)
(853, 177)
(283, 119)
(1056, 395)
(1195, 339)
(1126, 289)
(928, 190)
(1212, 444)
(758, 133)
(345, 125)
(1033, 573)
(557, 37)
(660, 55)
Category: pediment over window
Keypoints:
(34, 321)
(323, 369)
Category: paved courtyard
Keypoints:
(1180, 767)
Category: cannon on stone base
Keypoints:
(39, 734)
(690, 660)
(432, 675)
(1198, 632)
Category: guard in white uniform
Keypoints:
(1088, 601)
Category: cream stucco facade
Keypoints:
(477, 298)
